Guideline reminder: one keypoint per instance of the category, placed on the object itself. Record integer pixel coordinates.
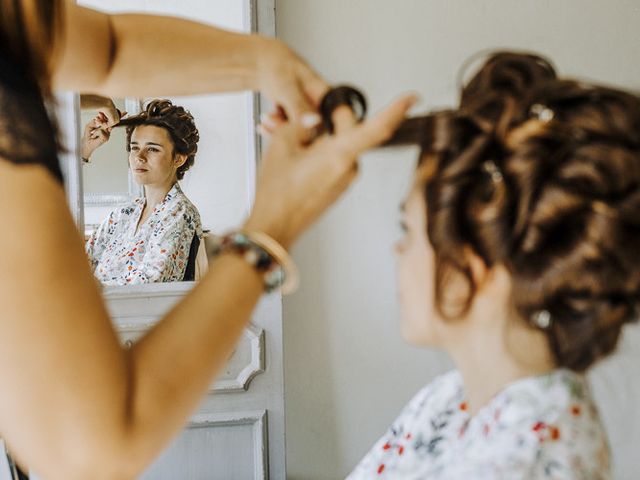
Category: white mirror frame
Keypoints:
(259, 18)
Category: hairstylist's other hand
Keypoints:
(299, 179)
(289, 82)
(111, 114)
(96, 133)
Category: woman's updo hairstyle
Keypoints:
(173, 118)
(542, 175)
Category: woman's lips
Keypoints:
(140, 170)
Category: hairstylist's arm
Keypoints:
(146, 55)
(104, 105)
(75, 404)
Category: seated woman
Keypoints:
(520, 259)
(153, 238)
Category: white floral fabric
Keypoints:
(157, 252)
(543, 427)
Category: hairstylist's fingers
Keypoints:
(103, 135)
(378, 128)
(306, 91)
(292, 133)
(92, 125)
(271, 121)
(263, 132)
(110, 116)
(343, 119)
(299, 108)
(312, 84)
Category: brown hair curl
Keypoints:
(178, 122)
(29, 31)
(542, 175)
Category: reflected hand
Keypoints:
(289, 82)
(96, 133)
(300, 178)
(111, 114)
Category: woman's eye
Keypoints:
(134, 149)
(153, 149)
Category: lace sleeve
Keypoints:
(27, 133)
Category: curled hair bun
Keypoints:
(542, 175)
(178, 122)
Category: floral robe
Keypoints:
(157, 252)
(543, 427)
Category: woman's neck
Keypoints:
(154, 194)
(492, 347)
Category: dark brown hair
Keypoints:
(177, 121)
(542, 175)
(30, 32)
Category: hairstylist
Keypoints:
(74, 403)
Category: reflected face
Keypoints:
(151, 158)
(415, 265)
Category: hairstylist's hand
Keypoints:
(298, 180)
(289, 82)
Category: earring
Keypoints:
(490, 167)
(541, 112)
(542, 319)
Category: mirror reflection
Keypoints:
(155, 237)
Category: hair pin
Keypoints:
(492, 169)
(541, 112)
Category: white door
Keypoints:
(238, 431)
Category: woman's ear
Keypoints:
(479, 269)
(179, 159)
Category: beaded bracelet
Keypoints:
(264, 254)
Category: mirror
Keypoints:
(119, 211)
(238, 431)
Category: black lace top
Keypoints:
(27, 134)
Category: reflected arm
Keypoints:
(88, 101)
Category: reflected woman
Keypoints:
(155, 238)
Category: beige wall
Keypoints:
(347, 371)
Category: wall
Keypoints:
(108, 170)
(347, 372)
